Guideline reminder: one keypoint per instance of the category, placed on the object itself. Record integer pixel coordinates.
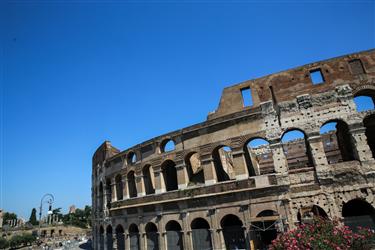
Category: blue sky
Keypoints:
(77, 73)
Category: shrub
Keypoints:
(324, 235)
(3, 243)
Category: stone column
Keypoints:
(279, 158)
(182, 175)
(361, 149)
(239, 163)
(113, 188)
(215, 236)
(140, 185)
(125, 189)
(186, 231)
(161, 231)
(319, 157)
(208, 169)
(159, 180)
(105, 236)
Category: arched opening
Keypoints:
(109, 238)
(167, 146)
(358, 212)
(174, 235)
(369, 123)
(101, 238)
(201, 234)
(119, 187)
(337, 141)
(134, 237)
(120, 238)
(296, 149)
(365, 100)
(101, 197)
(131, 158)
(307, 214)
(148, 179)
(108, 188)
(258, 156)
(170, 175)
(194, 169)
(233, 232)
(223, 161)
(132, 185)
(263, 228)
(152, 236)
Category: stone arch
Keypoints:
(119, 187)
(369, 124)
(337, 141)
(120, 237)
(131, 158)
(194, 168)
(109, 235)
(108, 188)
(132, 187)
(364, 98)
(148, 179)
(101, 197)
(264, 228)
(152, 236)
(223, 162)
(258, 156)
(233, 232)
(169, 175)
(134, 237)
(358, 212)
(167, 145)
(296, 148)
(174, 235)
(201, 234)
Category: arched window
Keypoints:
(134, 237)
(194, 169)
(336, 141)
(132, 185)
(167, 146)
(101, 197)
(101, 238)
(152, 236)
(265, 228)
(170, 175)
(201, 234)
(108, 188)
(369, 123)
(223, 161)
(258, 155)
(174, 235)
(233, 232)
(358, 212)
(119, 187)
(148, 179)
(109, 238)
(131, 158)
(365, 100)
(120, 238)
(296, 149)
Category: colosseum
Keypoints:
(277, 151)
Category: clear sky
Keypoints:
(77, 73)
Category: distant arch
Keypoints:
(167, 145)
(169, 175)
(120, 238)
(201, 235)
(265, 228)
(152, 236)
(358, 212)
(109, 237)
(364, 99)
(132, 187)
(233, 232)
(258, 156)
(148, 179)
(131, 158)
(174, 235)
(223, 162)
(194, 168)
(134, 237)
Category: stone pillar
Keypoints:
(361, 149)
(208, 169)
(125, 190)
(182, 176)
(142, 237)
(279, 158)
(239, 163)
(113, 188)
(105, 245)
(215, 237)
(186, 231)
(127, 239)
(319, 157)
(140, 185)
(159, 180)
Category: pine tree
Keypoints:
(32, 219)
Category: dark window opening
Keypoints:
(170, 175)
(201, 234)
(148, 179)
(369, 123)
(132, 185)
(259, 157)
(167, 146)
(120, 238)
(174, 236)
(119, 187)
(358, 212)
(233, 232)
(194, 169)
(223, 162)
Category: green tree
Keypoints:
(8, 216)
(32, 219)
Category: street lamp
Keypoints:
(48, 198)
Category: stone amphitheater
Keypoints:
(277, 151)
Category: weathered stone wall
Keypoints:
(211, 172)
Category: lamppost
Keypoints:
(48, 198)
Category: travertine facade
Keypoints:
(216, 189)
